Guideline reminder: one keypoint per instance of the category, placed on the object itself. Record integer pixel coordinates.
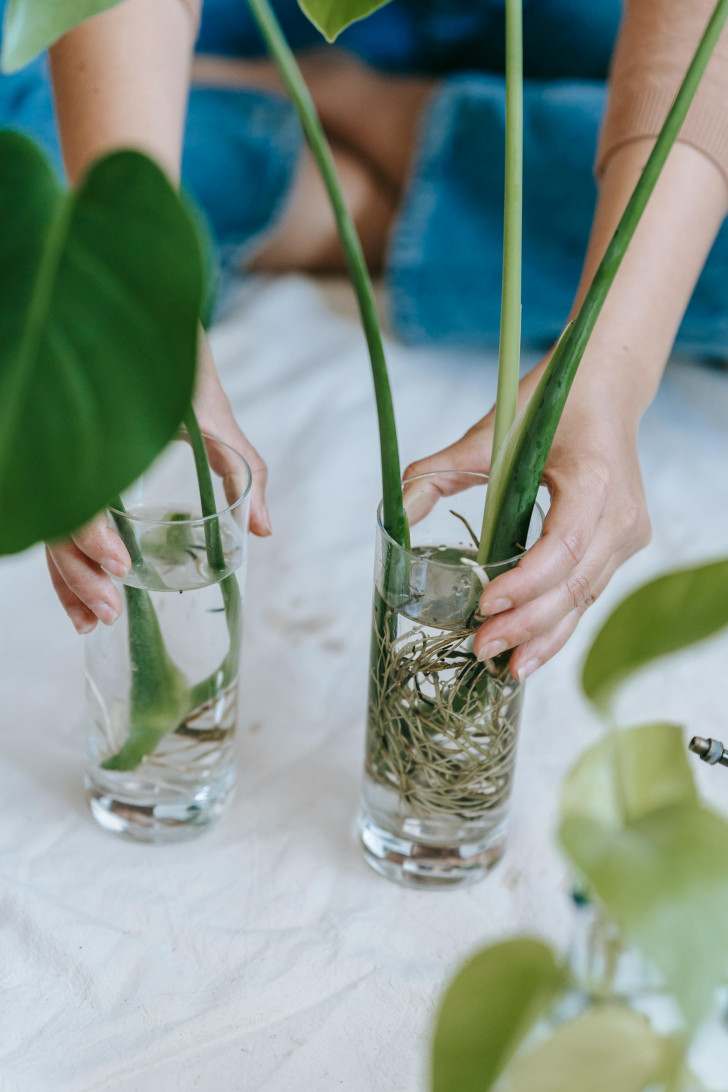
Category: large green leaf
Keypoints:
(657, 859)
(100, 292)
(30, 26)
(668, 614)
(333, 16)
(487, 1011)
(607, 1049)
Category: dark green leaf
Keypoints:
(488, 1010)
(100, 291)
(333, 16)
(668, 614)
(30, 26)
(653, 855)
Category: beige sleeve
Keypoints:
(656, 43)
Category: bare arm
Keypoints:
(121, 80)
(598, 516)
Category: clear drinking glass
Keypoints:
(162, 682)
(442, 726)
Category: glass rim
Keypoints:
(182, 436)
(481, 479)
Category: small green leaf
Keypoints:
(606, 1049)
(656, 858)
(663, 616)
(333, 16)
(30, 26)
(101, 291)
(487, 1011)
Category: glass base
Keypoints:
(176, 819)
(424, 865)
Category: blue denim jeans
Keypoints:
(444, 262)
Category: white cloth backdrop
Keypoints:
(266, 955)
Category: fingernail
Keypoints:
(487, 609)
(105, 613)
(115, 567)
(528, 669)
(81, 622)
(493, 648)
(265, 519)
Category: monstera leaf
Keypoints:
(333, 16)
(100, 294)
(30, 26)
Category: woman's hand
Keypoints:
(76, 565)
(598, 518)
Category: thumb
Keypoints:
(472, 453)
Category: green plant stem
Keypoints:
(522, 460)
(510, 326)
(394, 517)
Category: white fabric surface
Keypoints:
(266, 955)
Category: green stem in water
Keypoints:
(394, 517)
(229, 587)
(521, 462)
(510, 327)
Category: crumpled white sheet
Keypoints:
(266, 955)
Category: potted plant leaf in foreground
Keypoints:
(635, 1005)
(442, 726)
(102, 293)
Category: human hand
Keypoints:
(76, 565)
(597, 520)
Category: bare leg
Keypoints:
(306, 239)
(371, 120)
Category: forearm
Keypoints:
(121, 80)
(634, 335)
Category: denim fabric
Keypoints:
(444, 263)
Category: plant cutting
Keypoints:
(441, 725)
(631, 1007)
(105, 285)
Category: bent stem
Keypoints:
(522, 459)
(394, 517)
(161, 699)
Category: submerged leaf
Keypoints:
(487, 1011)
(657, 859)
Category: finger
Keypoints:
(100, 543)
(234, 478)
(82, 618)
(472, 452)
(87, 582)
(577, 592)
(576, 509)
(529, 657)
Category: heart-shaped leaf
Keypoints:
(30, 26)
(663, 616)
(100, 292)
(487, 1011)
(607, 1049)
(657, 859)
(333, 16)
